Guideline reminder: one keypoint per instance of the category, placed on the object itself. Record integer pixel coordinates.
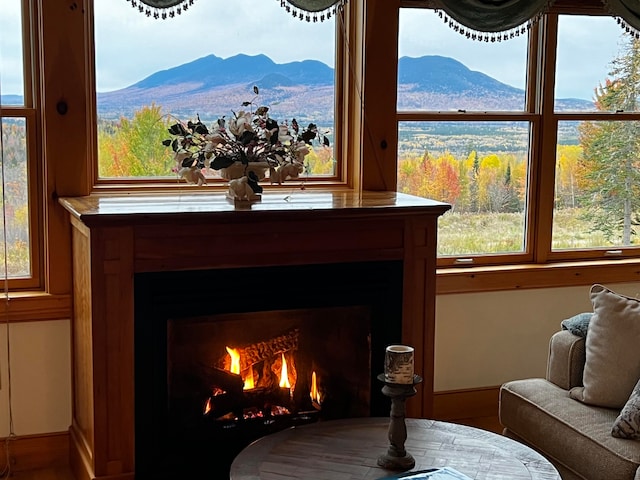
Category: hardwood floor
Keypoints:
(64, 473)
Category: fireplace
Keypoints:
(325, 326)
(149, 270)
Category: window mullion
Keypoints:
(544, 163)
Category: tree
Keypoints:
(135, 149)
(611, 151)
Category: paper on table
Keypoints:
(444, 473)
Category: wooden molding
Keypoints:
(35, 307)
(463, 404)
(32, 452)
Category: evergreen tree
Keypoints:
(611, 151)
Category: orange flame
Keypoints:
(284, 375)
(207, 406)
(249, 381)
(314, 393)
(235, 360)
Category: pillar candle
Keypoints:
(398, 364)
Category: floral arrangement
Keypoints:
(251, 145)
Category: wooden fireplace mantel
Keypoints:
(116, 236)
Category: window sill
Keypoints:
(35, 307)
(518, 277)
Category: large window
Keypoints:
(475, 131)
(19, 226)
(203, 65)
(597, 185)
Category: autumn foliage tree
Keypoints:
(133, 147)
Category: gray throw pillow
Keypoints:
(627, 425)
(612, 357)
(578, 324)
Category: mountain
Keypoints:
(12, 100)
(212, 87)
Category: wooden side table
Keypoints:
(349, 449)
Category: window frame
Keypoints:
(341, 178)
(539, 111)
(367, 93)
(29, 113)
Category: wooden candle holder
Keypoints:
(397, 458)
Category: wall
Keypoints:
(40, 377)
(482, 340)
(485, 339)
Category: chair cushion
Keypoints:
(569, 433)
(612, 365)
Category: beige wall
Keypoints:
(485, 339)
(482, 340)
(40, 377)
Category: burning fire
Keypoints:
(284, 375)
(248, 379)
(315, 393)
(283, 371)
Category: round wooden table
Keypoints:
(349, 449)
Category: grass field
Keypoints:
(477, 233)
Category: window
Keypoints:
(596, 204)
(527, 183)
(202, 65)
(19, 225)
(465, 134)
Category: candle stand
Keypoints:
(397, 458)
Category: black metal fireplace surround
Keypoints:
(367, 294)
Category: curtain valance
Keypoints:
(489, 20)
(496, 20)
(304, 9)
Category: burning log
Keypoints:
(197, 383)
(260, 351)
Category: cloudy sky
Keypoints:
(130, 46)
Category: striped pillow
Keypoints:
(627, 425)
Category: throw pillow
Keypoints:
(578, 324)
(627, 425)
(612, 361)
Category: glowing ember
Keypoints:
(284, 375)
(314, 393)
(207, 406)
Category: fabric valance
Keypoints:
(490, 20)
(502, 19)
(304, 9)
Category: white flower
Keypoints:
(241, 124)
(283, 134)
(301, 150)
(192, 175)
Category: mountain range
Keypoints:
(212, 87)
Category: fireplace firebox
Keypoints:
(252, 351)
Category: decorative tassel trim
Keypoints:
(314, 17)
(492, 37)
(630, 29)
(163, 13)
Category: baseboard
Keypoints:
(469, 403)
(32, 452)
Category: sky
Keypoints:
(130, 46)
